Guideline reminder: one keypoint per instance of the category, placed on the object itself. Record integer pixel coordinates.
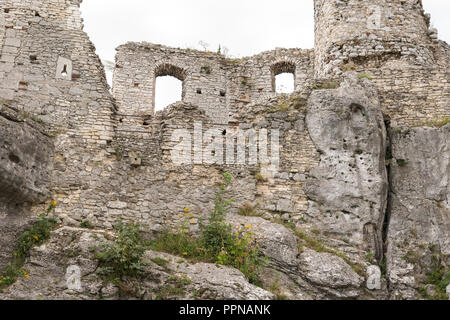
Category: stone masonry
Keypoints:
(377, 70)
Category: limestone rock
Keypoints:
(211, 281)
(348, 190)
(330, 273)
(275, 240)
(419, 225)
(374, 278)
(24, 159)
(65, 268)
(25, 153)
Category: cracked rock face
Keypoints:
(419, 226)
(348, 190)
(50, 268)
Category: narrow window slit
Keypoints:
(64, 71)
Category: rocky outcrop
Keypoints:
(52, 272)
(348, 190)
(25, 166)
(300, 274)
(24, 158)
(210, 281)
(418, 235)
(330, 273)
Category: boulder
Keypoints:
(330, 273)
(275, 240)
(348, 190)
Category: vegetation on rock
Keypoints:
(218, 242)
(123, 256)
(35, 236)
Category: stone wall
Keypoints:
(346, 29)
(106, 156)
(391, 42)
(216, 84)
(49, 72)
(145, 184)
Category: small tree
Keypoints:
(204, 45)
(123, 257)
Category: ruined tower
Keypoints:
(355, 31)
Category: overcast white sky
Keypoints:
(245, 27)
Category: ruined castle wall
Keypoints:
(138, 65)
(413, 95)
(117, 163)
(252, 79)
(391, 41)
(146, 185)
(279, 192)
(218, 85)
(50, 73)
(347, 29)
(50, 68)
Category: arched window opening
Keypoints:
(168, 90)
(168, 86)
(283, 77)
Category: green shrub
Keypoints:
(175, 286)
(283, 107)
(39, 232)
(329, 84)
(440, 122)
(402, 162)
(180, 243)
(123, 256)
(160, 261)
(365, 75)
(248, 210)
(86, 224)
(440, 279)
(218, 243)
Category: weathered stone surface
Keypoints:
(348, 190)
(390, 41)
(213, 281)
(50, 274)
(25, 174)
(25, 155)
(275, 240)
(373, 278)
(113, 160)
(419, 225)
(330, 273)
